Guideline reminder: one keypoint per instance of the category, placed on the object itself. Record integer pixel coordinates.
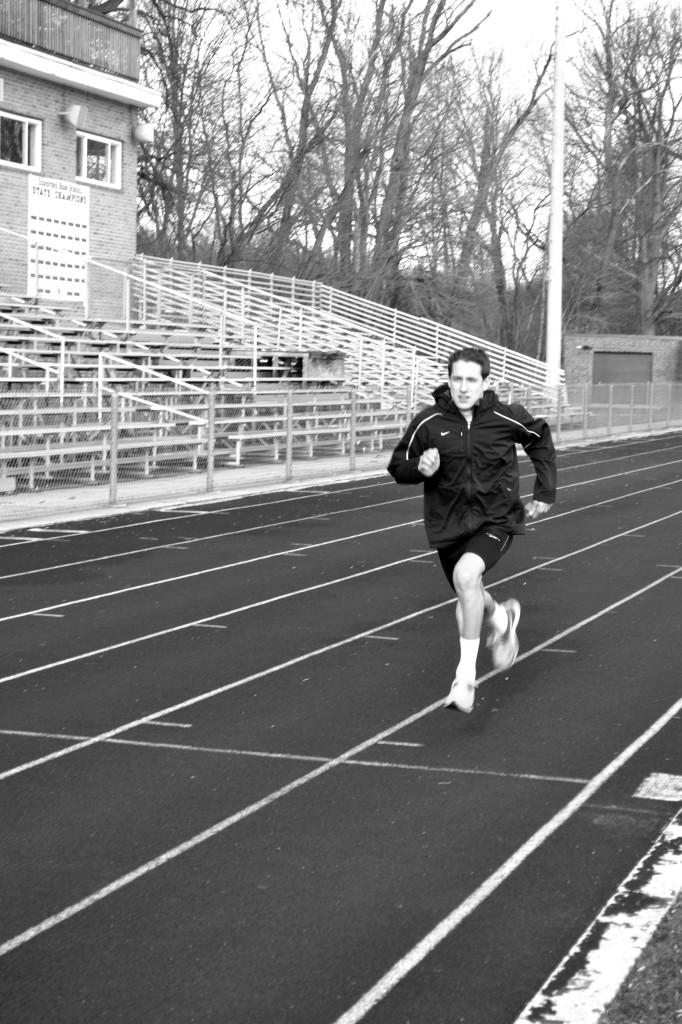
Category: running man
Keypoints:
(463, 450)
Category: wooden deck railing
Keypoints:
(76, 33)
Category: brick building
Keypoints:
(71, 120)
(621, 358)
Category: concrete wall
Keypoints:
(112, 234)
(579, 349)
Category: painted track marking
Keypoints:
(425, 946)
(259, 675)
(277, 755)
(448, 924)
(297, 593)
(338, 512)
(608, 949)
(546, 565)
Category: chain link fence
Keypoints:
(86, 448)
(111, 448)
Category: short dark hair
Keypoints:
(470, 355)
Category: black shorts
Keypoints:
(489, 543)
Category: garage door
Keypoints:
(622, 367)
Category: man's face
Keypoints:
(467, 384)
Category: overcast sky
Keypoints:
(524, 28)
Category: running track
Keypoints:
(229, 790)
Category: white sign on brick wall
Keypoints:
(58, 233)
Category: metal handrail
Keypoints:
(384, 351)
(283, 326)
(426, 338)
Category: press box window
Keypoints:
(98, 160)
(19, 142)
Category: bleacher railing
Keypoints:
(148, 445)
(120, 444)
(245, 317)
(259, 323)
(426, 343)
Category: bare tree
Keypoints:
(308, 45)
(426, 40)
(626, 133)
(183, 41)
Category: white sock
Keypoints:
(498, 618)
(468, 651)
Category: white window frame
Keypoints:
(113, 156)
(31, 143)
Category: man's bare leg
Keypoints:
(474, 603)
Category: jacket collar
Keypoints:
(443, 400)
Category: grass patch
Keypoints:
(652, 992)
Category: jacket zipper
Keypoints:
(469, 477)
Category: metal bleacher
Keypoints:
(385, 350)
(207, 368)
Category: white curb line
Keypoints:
(592, 973)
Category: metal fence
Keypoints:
(580, 412)
(86, 448)
(112, 447)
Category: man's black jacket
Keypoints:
(478, 479)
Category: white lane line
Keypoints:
(258, 675)
(189, 748)
(57, 529)
(258, 528)
(605, 503)
(591, 974)
(430, 941)
(207, 621)
(206, 572)
(617, 476)
(480, 772)
(379, 636)
(294, 493)
(185, 512)
(339, 512)
(48, 615)
(178, 512)
(172, 725)
(398, 743)
(281, 756)
(444, 928)
(611, 447)
(320, 544)
(218, 691)
(271, 600)
(560, 650)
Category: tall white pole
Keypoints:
(556, 217)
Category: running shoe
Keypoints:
(461, 696)
(504, 646)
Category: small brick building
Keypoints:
(621, 358)
(71, 121)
